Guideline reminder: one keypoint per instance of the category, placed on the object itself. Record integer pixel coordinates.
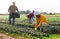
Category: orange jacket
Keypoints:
(40, 20)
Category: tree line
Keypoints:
(27, 11)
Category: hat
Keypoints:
(36, 13)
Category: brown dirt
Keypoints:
(4, 36)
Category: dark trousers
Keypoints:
(11, 17)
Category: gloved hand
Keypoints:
(35, 28)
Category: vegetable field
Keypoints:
(26, 30)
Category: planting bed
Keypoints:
(23, 28)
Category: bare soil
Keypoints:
(4, 36)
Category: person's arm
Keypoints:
(40, 23)
(9, 8)
(17, 9)
(36, 24)
(41, 20)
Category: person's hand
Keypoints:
(35, 28)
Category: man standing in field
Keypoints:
(41, 22)
(12, 9)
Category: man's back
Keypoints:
(30, 15)
(12, 9)
(40, 20)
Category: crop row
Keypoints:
(23, 29)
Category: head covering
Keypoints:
(36, 13)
